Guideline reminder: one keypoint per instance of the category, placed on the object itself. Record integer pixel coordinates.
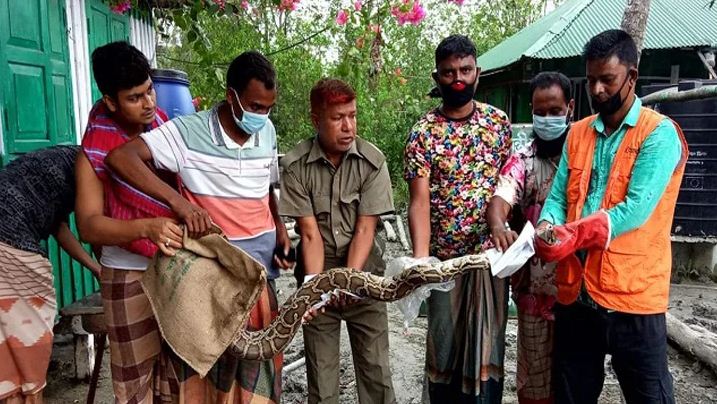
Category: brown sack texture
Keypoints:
(202, 296)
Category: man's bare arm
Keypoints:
(419, 216)
(97, 229)
(129, 161)
(362, 241)
(312, 245)
(72, 245)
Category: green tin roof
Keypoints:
(563, 32)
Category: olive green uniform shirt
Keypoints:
(336, 197)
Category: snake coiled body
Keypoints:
(265, 344)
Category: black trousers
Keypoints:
(637, 343)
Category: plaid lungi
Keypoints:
(27, 314)
(232, 380)
(534, 293)
(141, 367)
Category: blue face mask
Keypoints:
(550, 127)
(250, 122)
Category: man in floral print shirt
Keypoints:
(452, 161)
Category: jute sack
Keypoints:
(202, 296)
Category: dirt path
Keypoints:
(693, 382)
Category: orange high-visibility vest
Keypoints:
(633, 274)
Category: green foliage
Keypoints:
(388, 65)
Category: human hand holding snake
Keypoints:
(270, 341)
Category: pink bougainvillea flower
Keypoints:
(357, 5)
(409, 12)
(122, 7)
(245, 5)
(457, 2)
(375, 28)
(196, 101)
(342, 17)
(419, 13)
(220, 3)
(288, 5)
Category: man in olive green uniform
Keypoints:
(336, 185)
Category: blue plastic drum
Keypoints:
(172, 87)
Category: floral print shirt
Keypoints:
(525, 182)
(462, 160)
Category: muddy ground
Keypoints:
(694, 382)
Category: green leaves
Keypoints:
(391, 77)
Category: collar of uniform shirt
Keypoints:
(317, 153)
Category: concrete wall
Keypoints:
(694, 256)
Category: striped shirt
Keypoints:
(228, 180)
(122, 201)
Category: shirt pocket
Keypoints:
(351, 199)
(322, 208)
(623, 269)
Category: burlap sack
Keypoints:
(202, 297)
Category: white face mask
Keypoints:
(550, 127)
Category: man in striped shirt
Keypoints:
(226, 159)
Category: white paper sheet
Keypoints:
(505, 264)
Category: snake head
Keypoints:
(547, 235)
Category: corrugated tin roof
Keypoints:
(564, 31)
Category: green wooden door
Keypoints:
(72, 280)
(104, 26)
(37, 108)
(34, 76)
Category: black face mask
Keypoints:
(457, 98)
(612, 104)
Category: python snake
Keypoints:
(270, 341)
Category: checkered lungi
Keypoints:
(141, 368)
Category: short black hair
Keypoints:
(548, 79)
(613, 42)
(250, 65)
(459, 45)
(119, 66)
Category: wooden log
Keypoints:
(402, 233)
(297, 364)
(672, 95)
(694, 339)
(390, 233)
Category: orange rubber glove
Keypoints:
(558, 242)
